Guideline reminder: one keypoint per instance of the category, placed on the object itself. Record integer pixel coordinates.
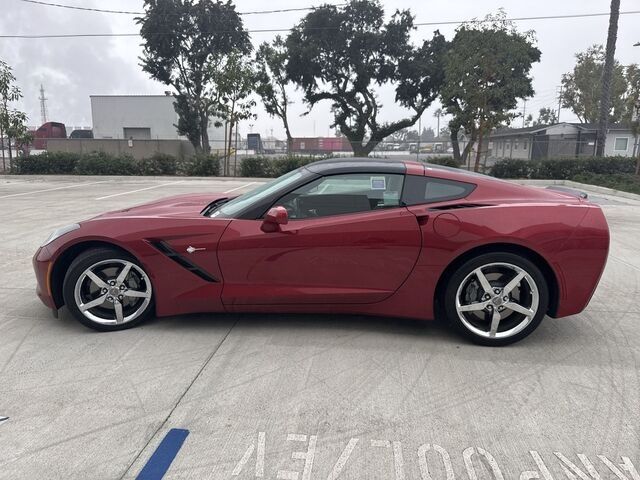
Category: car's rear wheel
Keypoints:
(496, 298)
(107, 290)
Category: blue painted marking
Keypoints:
(161, 459)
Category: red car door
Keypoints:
(359, 257)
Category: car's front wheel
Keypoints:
(107, 290)
(496, 298)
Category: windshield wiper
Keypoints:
(213, 206)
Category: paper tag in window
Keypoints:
(378, 183)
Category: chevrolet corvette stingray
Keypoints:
(354, 236)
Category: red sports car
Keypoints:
(353, 236)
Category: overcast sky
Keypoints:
(73, 69)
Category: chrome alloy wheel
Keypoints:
(112, 292)
(497, 300)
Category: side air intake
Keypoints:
(166, 249)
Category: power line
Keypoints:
(126, 12)
(280, 30)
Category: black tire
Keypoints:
(461, 282)
(95, 256)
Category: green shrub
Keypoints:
(47, 163)
(626, 182)
(444, 161)
(610, 165)
(511, 169)
(101, 163)
(254, 167)
(158, 164)
(201, 165)
(562, 169)
(280, 166)
(274, 166)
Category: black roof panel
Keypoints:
(333, 166)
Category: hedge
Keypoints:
(101, 163)
(444, 161)
(563, 169)
(621, 181)
(273, 167)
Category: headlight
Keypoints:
(59, 232)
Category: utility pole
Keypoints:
(524, 112)
(559, 103)
(43, 105)
(607, 75)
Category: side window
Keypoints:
(342, 194)
(419, 189)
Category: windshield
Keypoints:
(230, 209)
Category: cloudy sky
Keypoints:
(73, 69)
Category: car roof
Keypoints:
(333, 166)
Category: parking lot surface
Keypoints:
(305, 397)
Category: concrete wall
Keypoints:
(139, 148)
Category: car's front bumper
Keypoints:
(43, 265)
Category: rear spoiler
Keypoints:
(570, 191)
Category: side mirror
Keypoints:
(275, 217)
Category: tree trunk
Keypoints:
(636, 153)
(288, 132)
(363, 150)
(10, 155)
(204, 134)
(359, 150)
(467, 149)
(4, 164)
(230, 146)
(476, 166)
(607, 75)
(456, 145)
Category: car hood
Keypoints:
(189, 205)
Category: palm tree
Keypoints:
(438, 113)
(609, 62)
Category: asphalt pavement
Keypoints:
(305, 397)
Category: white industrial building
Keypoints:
(560, 140)
(141, 117)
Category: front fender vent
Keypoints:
(166, 249)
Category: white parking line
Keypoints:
(52, 189)
(140, 190)
(240, 188)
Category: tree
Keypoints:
(272, 82)
(427, 134)
(528, 121)
(486, 73)
(185, 43)
(632, 94)
(12, 121)
(342, 54)
(581, 88)
(437, 114)
(607, 77)
(546, 116)
(235, 82)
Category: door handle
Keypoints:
(423, 218)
